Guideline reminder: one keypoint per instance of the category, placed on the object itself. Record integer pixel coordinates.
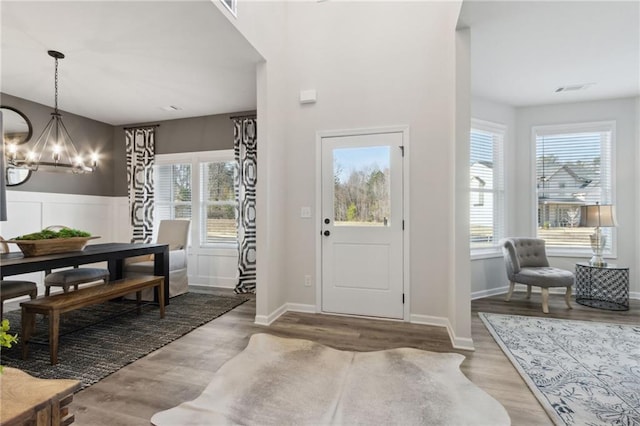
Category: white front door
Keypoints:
(362, 225)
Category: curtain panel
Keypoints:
(246, 154)
(140, 145)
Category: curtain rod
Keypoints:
(234, 117)
(140, 127)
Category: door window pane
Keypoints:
(361, 186)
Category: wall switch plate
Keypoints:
(305, 212)
(307, 280)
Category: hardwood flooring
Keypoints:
(180, 371)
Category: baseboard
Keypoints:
(488, 293)
(464, 343)
(269, 319)
(634, 295)
(206, 288)
(300, 307)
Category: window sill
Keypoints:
(486, 253)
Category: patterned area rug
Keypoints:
(582, 372)
(99, 340)
(278, 381)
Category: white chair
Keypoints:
(175, 233)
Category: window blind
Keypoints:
(172, 192)
(217, 203)
(486, 197)
(573, 168)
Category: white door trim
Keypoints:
(405, 201)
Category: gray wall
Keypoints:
(88, 136)
(208, 133)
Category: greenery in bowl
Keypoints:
(47, 234)
(6, 339)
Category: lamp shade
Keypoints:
(603, 215)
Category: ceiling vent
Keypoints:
(574, 87)
(172, 108)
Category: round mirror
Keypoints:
(17, 176)
(16, 127)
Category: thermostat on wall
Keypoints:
(308, 96)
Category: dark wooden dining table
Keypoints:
(114, 254)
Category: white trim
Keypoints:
(464, 343)
(405, 130)
(486, 253)
(269, 319)
(634, 295)
(233, 9)
(488, 293)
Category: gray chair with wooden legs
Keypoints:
(72, 277)
(10, 289)
(526, 262)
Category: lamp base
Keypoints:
(597, 261)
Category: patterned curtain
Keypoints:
(246, 154)
(141, 148)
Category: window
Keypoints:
(218, 202)
(573, 168)
(486, 210)
(173, 191)
(199, 186)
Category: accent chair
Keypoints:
(527, 263)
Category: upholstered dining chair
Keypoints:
(10, 289)
(527, 263)
(175, 233)
(72, 277)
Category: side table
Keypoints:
(604, 287)
(27, 400)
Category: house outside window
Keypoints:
(199, 186)
(573, 168)
(486, 189)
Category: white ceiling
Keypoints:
(522, 51)
(126, 61)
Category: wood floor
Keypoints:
(179, 371)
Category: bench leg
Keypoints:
(161, 297)
(138, 301)
(54, 331)
(28, 327)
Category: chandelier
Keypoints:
(54, 150)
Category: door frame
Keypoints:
(406, 270)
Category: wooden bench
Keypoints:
(53, 306)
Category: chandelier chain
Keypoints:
(56, 87)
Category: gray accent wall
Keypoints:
(87, 135)
(208, 133)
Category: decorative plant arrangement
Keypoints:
(49, 241)
(6, 339)
(47, 234)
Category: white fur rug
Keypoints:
(277, 381)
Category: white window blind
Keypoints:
(573, 168)
(217, 203)
(172, 192)
(486, 172)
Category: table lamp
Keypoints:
(598, 215)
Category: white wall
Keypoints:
(32, 211)
(487, 275)
(372, 64)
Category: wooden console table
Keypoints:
(26, 400)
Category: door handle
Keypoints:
(326, 233)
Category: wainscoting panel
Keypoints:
(107, 217)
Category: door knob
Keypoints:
(327, 233)
(327, 221)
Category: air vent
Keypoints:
(574, 87)
(172, 108)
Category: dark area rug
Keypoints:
(99, 340)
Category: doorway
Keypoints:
(362, 223)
